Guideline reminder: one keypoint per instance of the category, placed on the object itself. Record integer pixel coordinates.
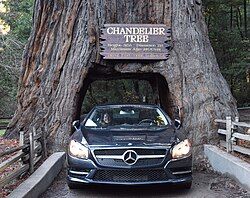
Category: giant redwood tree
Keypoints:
(62, 58)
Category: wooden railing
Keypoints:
(233, 134)
(28, 153)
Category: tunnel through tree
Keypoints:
(64, 50)
(147, 88)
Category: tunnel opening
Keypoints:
(107, 87)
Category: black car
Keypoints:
(128, 145)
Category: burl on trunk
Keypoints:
(64, 46)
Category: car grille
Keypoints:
(121, 163)
(141, 175)
(138, 151)
(153, 157)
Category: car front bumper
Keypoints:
(171, 171)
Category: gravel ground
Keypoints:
(205, 184)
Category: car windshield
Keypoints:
(126, 117)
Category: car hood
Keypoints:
(125, 137)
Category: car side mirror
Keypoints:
(76, 124)
(177, 124)
(176, 112)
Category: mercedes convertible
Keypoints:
(128, 145)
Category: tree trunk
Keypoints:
(63, 52)
(231, 17)
(245, 18)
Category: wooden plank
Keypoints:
(243, 108)
(27, 156)
(14, 175)
(5, 118)
(17, 173)
(37, 137)
(222, 131)
(241, 124)
(220, 120)
(38, 148)
(12, 150)
(241, 149)
(223, 143)
(37, 159)
(11, 160)
(241, 136)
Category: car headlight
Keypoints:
(182, 149)
(76, 149)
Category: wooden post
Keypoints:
(236, 120)
(234, 129)
(229, 133)
(31, 138)
(34, 131)
(34, 141)
(44, 147)
(21, 138)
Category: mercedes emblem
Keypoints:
(130, 157)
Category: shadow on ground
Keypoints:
(130, 191)
(205, 184)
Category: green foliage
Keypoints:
(117, 91)
(3, 122)
(229, 35)
(2, 132)
(19, 18)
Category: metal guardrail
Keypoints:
(28, 153)
(232, 134)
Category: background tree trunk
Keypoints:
(64, 46)
(245, 18)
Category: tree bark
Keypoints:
(64, 47)
(245, 18)
(231, 17)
